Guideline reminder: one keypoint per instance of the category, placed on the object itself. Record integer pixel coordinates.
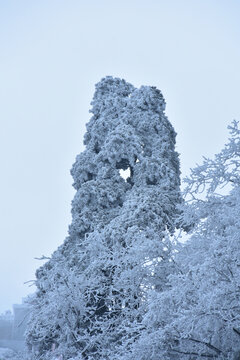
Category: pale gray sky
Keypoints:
(52, 52)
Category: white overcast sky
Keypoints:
(52, 52)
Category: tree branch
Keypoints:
(193, 353)
(43, 258)
(210, 346)
(236, 331)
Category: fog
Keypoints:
(51, 55)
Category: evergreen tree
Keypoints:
(93, 292)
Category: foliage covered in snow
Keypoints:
(93, 293)
(198, 315)
(122, 286)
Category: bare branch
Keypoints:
(193, 353)
(210, 346)
(43, 258)
(236, 331)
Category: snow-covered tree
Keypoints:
(92, 294)
(198, 315)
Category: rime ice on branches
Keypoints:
(92, 294)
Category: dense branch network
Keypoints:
(93, 292)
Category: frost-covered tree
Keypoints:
(198, 315)
(93, 292)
